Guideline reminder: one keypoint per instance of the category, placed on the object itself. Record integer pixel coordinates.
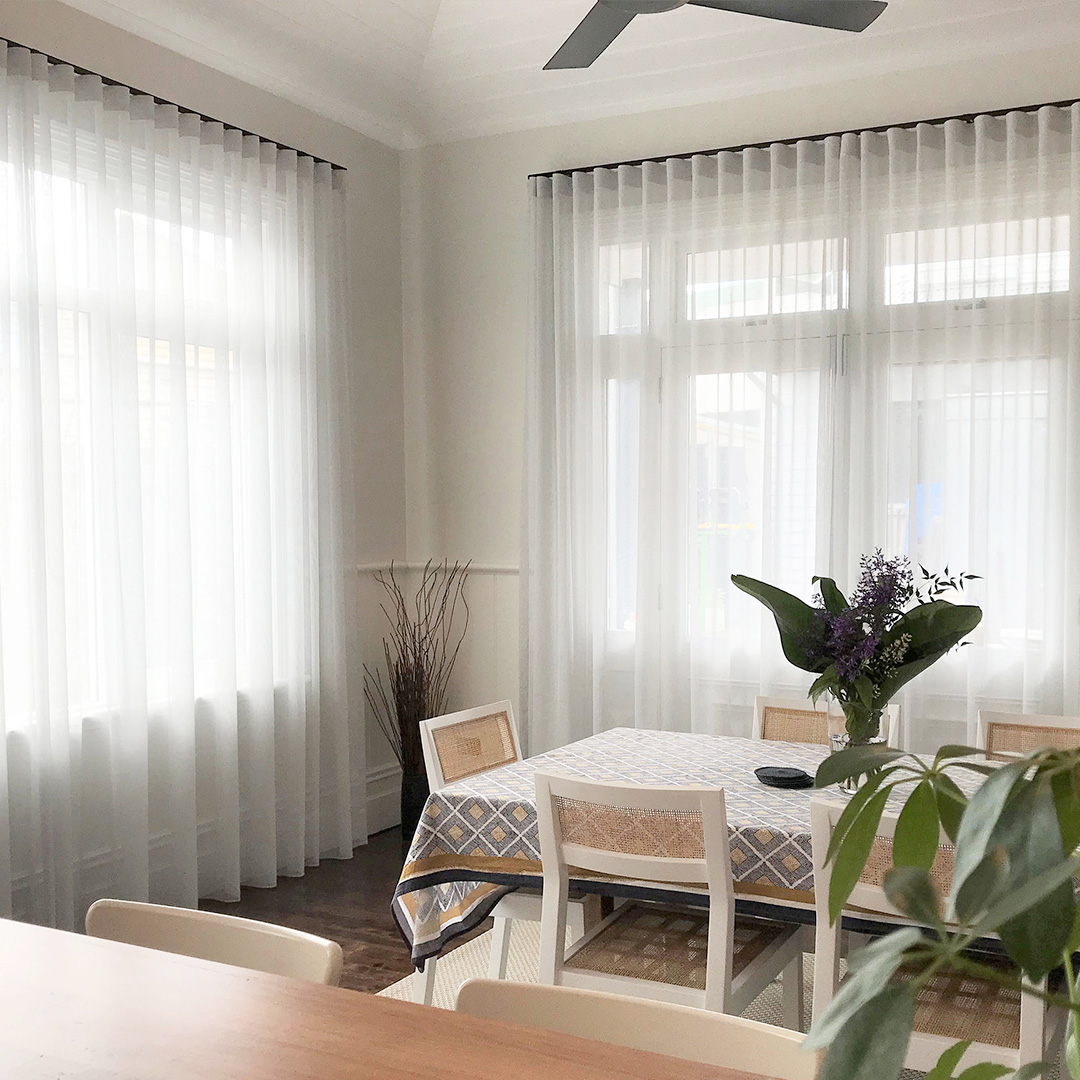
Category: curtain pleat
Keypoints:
(771, 361)
(173, 478)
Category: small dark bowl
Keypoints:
(780, 777)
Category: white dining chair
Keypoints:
(1005, 1027)
(1020, 733)
(799, 720)
(707, 1038)
(457, 746)
(207, 935)
(708, 959)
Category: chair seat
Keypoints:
(669, 944)
(957, 1006)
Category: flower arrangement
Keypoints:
(863, 650)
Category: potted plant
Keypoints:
(420, 653)
(863, 650)
(1015, 860)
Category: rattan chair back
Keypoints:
(1001, 734)
(469, 742)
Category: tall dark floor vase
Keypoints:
(414, 793)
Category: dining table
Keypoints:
(79, 1008)
(477, 837)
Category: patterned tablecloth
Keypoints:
(477, 838)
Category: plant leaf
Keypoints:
(1068, 809)
(915, 842)
(955, 750)
(981, 818)
(875, 965)
(873, 1043)
(1028, 831)
(831, 595)
(801, 631)
(853, 809)
(910, 889)
(853, 851)
(854, 761)
(1072, 1046)
(984, 1070)
(951, 803)
(1012, 904)
(948, 1061)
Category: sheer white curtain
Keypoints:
(172, 502)
(770, 361)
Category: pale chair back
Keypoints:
(207, 935)
(648, 834)
(796, 720)
(951, 1007)
(1020, 733)
(469, 742)
(799, 720)
(676, 1030)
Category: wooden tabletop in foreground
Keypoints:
(77, 1008)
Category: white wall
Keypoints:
(373, 198)
(465, 240)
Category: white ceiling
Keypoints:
(410, 72)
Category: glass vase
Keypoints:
(840, 740)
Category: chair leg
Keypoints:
(791, 989)
(424, 983)
(575, 921)
(500, 949)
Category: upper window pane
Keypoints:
(770, 279)
(973, 262)
(623, 289)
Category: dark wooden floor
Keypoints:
(346, 900)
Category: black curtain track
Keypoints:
(965, 118)
(165, 101)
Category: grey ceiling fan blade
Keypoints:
(593, 35)
(854, 15)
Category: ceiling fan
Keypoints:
(608, 18)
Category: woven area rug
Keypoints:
(470, 961)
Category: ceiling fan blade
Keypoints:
(593, 35)
(854, 15)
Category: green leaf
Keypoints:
(1012, 904)
(948, 1061)
(1030, 1070)
(824, 683)
(1074, 937)
(915, 842)
(853, 809)
(801, 631)
(980, 819)
(871, 968)
(951, 802)
(873, 1043)
(853, 851)
(984, 1070)
(981, 886)
(865, 689)
(910, 889)
(1029, 833)
(955, 750)
(1068, 809)
(934, 628)
(831, 595)
(854, 761)
(1072, 1046)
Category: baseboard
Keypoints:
(383, 797)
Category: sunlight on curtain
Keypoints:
(172, 671)
(770, 361)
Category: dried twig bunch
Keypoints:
(421, 652)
